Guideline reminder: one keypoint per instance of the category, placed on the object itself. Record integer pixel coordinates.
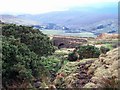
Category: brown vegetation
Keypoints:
(108, 36)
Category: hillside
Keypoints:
(76, 17)
(91, 73)
(15, 20)
(105, 71)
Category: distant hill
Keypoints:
(76, 17)
(16, 20)
(105, 26)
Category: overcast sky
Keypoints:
(43, 6)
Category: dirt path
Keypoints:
(83, 77)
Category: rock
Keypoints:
(94, 79)
(114, 66)
(91, 70)
(90, 85)
(37, 84)
(115, 73)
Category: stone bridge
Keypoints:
(68, 42)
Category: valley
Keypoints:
(74, 21)
(58, 61)
(59, 45)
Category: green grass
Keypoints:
(108, 46)
(106, 41)
(53, 32)
(61, 32)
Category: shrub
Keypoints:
(33, 38)
(51, 63)
(72, 56)
(19, 64)
(104, 50)
(88, 51)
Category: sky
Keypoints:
(44, 6)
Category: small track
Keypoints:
(83, 77)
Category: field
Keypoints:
(61, 32)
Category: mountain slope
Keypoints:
(77, 16)
(16, 20)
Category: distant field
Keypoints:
(61, 32)
(53, 32)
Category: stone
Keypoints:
(90, 85)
